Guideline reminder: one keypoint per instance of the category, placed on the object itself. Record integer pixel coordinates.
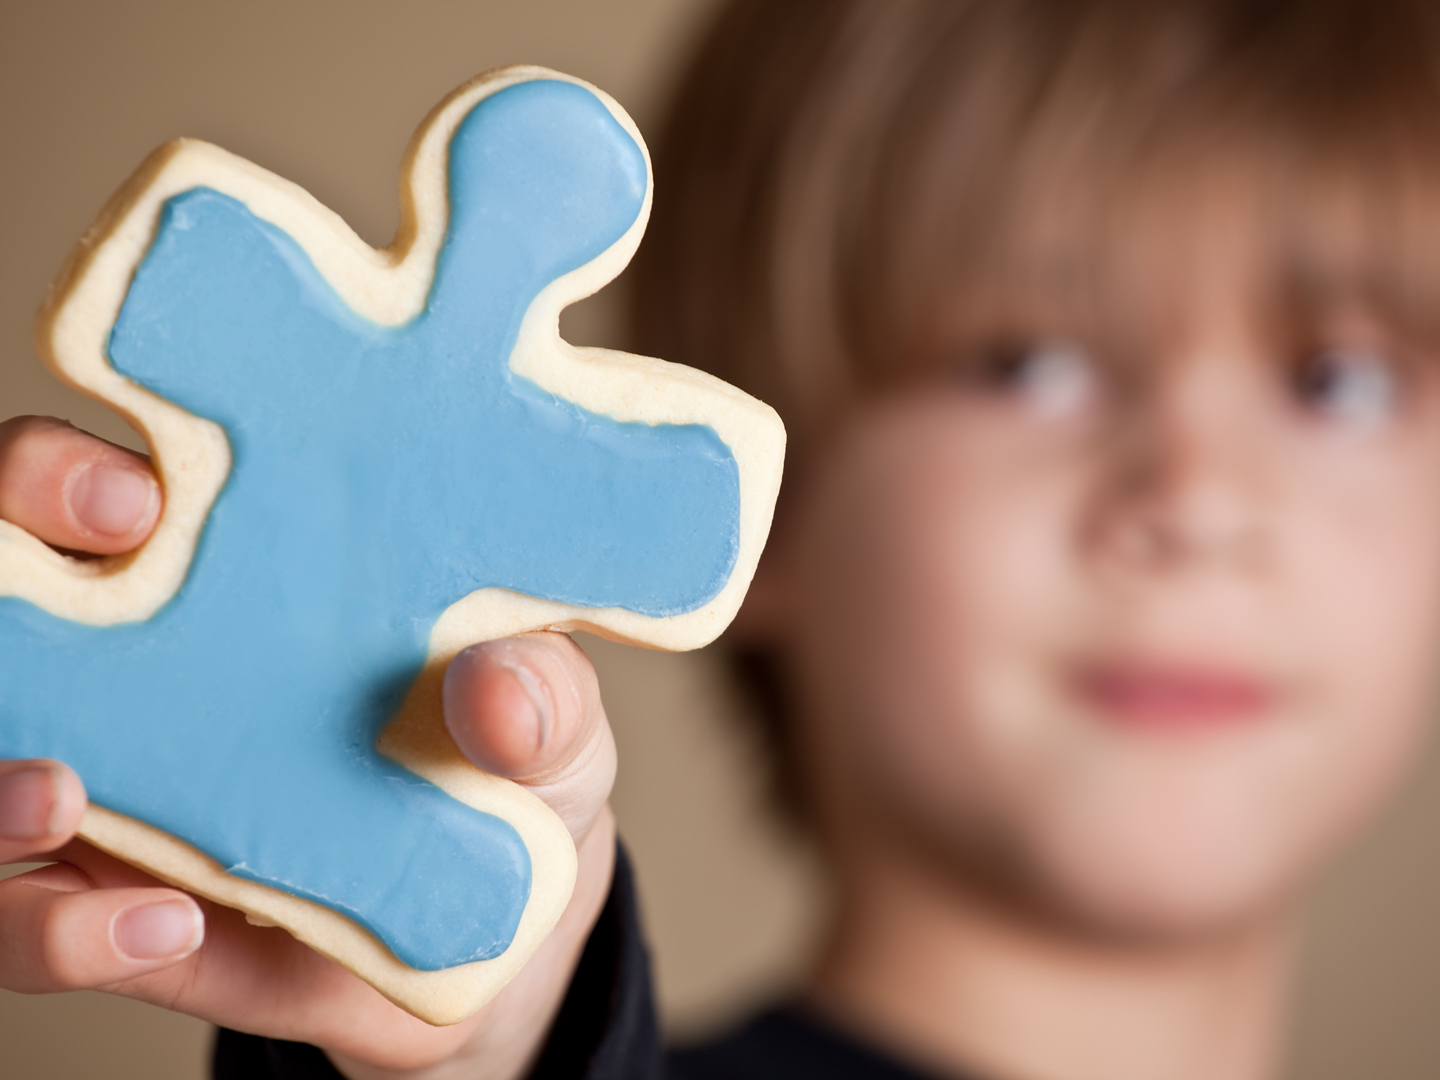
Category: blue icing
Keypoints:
(380, 474)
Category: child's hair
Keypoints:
(833, 172)
(841, 181)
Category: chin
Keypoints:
(1147, 888)
(1173, 913)
(1191, 889)
(1175, 839)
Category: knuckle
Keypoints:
(22, 434)
(61, 963)
(19, 426)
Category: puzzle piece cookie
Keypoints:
(371, 458)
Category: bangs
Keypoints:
(840, 181)
(1084, 174)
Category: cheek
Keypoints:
(934, 588)
(1365, 590)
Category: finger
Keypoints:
(40, 807)
(95, 922)
(518, 707)
(529, 708)
(261, 979)
(59, 932)
(73, 490)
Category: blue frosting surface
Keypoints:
(380, 474)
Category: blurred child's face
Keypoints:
(1139, 644)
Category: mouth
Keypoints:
(1172, 697)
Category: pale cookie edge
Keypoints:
(192, 458)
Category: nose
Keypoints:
(1183, 484)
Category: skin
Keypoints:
(1056, 859)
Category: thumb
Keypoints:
(528, 708)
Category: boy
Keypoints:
(1102, 601)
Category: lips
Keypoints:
(1173, 697)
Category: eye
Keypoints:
(1352, 386)
(1053, 378)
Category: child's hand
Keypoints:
(527, 708)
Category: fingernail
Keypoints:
(112, 500)
(156, 931)
(539, 697)
(27, 804)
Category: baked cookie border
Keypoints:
(191, 456)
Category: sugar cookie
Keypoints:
(370, 459)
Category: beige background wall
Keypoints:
(326, 94)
